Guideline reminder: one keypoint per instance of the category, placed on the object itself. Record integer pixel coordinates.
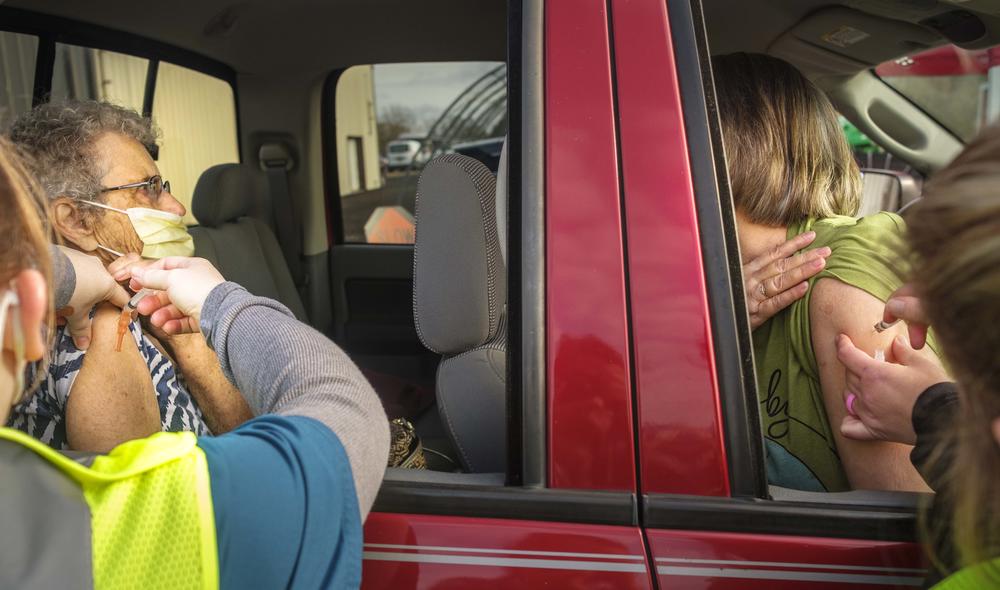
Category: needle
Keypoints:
(883, 325)
(126, 318)
(134, 301)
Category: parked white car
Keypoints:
(402, 153)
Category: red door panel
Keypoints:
(681, 447)
(681, 440)
(690, 560)
(440, 552)
(590, 426)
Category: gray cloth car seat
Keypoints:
(242, 247)
(459, 300)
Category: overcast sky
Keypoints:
(427, 88)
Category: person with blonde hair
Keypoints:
(278, 502)
(954, 234)
(791, 171)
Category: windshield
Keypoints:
(399, 148)
(951, 84)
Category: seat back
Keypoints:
(241, 246)
(459, 301)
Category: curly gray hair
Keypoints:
(59, 139)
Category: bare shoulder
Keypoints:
(838, 308)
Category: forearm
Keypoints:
(222, 405)
(285, 367)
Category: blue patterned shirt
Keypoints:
(43, 415)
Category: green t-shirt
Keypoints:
(801, 451)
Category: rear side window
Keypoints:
(959, 88)
(391, 119)
(196, 114)
(96, 74)
(17, 73)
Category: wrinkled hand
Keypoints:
(904, 304)
(121, 268)
(93, 285)
(775, 280)
(886, 392)
(182, 285)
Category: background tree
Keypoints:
(393, 121)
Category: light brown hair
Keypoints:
(787, 155)
(954, 232)
(21, 224)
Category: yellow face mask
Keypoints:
(163, 234)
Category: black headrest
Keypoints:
(226, 192)
(459, 279)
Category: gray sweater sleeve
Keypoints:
(285, 367)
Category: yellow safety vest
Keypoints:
(977, 577)
(150, 500)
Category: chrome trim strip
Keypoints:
(713, 572)
(503, 551)
(907, 570)
(552, 564)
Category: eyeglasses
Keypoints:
(153, 187)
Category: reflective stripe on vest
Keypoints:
(152, 522)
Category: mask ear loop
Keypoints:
(109, 208)
(10, 301)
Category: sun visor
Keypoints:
(840, 40)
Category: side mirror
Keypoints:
(886, 190)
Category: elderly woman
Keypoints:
(107, 199)
(791, 171)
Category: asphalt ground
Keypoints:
(400, 188)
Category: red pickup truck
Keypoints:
(636, 456)
(627, 418)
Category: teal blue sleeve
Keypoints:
(286, 512)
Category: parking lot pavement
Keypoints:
(400, 189)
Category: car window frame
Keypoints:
(753, 506)
(331, 152)
(525, 495)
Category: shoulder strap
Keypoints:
(276, 162)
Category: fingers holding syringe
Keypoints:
(187, 281)
(165, 315)
(906, 305)
(152, 302)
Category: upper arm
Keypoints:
(837, 308)
(286, 511)
(112, 399)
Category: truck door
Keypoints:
(708, 514)
(565, 512)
